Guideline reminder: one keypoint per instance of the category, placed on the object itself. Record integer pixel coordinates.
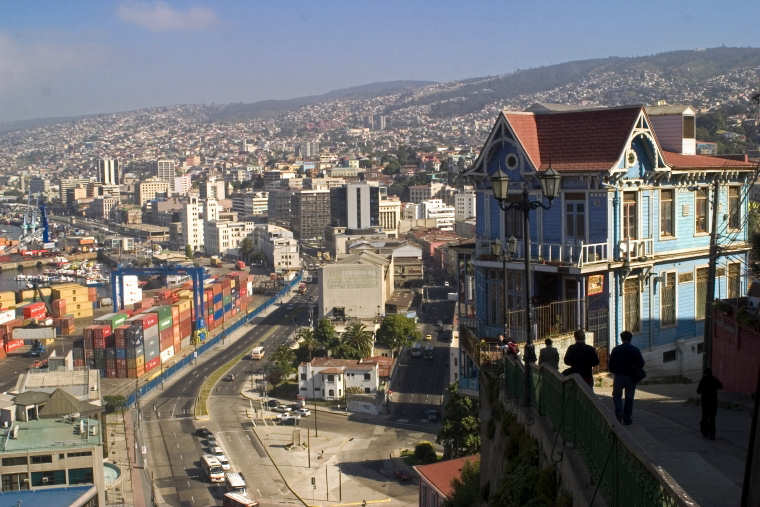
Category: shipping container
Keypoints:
(150, 365)
(147, 320)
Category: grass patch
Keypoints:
(200, 405)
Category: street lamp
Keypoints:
(550, 185)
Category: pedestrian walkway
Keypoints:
(121, 492)
(666, 426)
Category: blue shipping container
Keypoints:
(217, 298)
(218, 315)
(121, 354)
(227, 307)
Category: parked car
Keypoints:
(303, 412)
(428, 337)
(288, 416)
(230, 377)
(217, 451)
(272, 403)
(224, 462)
(281, 408)
(203, 432)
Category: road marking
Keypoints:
(365, 502)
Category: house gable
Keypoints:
(642, 156)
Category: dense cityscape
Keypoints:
(407, 292)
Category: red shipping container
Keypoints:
(59, 307)
(78, 363)
(99, 342)
(121, 373)
(186, 315)
(132, 373)
(149, 365)
(175, 331)
(92, 294)
(147, 319)
(111, 372)
(11, 345)
(3, 355)
(121, 364)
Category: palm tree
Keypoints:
(356, 342)
(308, 346)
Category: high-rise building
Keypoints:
(355, 206)
(192, 223)
(211, 210)
(250, 204)
(108, 171)
(390, 216)
(165, 170)
(213, 188)
(39, 185)
(464, 205)
(148, 189)
(223, 237)
(182, 184)
(310, 213)
(279, 205)
(309, 149)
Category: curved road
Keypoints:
(168, 426)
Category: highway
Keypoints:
(168, 426)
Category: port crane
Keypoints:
(31, 231)
(196, 273)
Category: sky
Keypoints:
(70, 58)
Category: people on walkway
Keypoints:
(549, 355)
(708, 392)
(581, 358)
(627, 364)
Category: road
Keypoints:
(168, 425)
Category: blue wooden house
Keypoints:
(625, 246)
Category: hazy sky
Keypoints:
(64, 58)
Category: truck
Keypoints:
(238, 500)
(215, 261)
(240, 265)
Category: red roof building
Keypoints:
(436, 479)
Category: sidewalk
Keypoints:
(666, 425)
(121, 492)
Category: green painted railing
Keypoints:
(622, 472)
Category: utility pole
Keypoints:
(308, 446)
(711, 270)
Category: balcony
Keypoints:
(636, 249)
(571, 253)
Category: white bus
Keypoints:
(212, 468)
(234, 483)
(257, 353)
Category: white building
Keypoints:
(328, 379)
(278, 246)
(357, 286)
(464, 206)
(251, 204)
(389, 216)
(213, 188)
(211, 209)
(435, 209)
(108, 171)
(182, 184)
(192, 223)
(165, 170)
(224, 237)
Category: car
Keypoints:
(203, 432)
(211, 441)
(433, 415)
(224, 462)
(288, 419)
(290, 307)
(217, 451)
(303, 412)
(272, 403)
(281, 408)
(230, 377)
(428, 337)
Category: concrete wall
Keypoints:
(359, 288)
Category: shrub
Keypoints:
(425, 453)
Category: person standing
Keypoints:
(549, 355)
(708, 391)
(627, 364)
(582, 358)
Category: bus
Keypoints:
(234, 483)
(212, 468)
(257, 353)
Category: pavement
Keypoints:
(666, 426)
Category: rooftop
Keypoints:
(82, 384)
(440, 474)
(44, 434)
(45, 496)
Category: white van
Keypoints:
(234, 483)
(257, 353)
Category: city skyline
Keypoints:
(90, 58)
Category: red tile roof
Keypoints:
(384, 365)
(591, 140)
(679, 161)
(440, 474)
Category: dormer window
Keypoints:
(689, 127)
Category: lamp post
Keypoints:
(550, 186)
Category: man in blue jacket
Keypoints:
(627, 364)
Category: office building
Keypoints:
(166, 171)
(250, 204)
(435, 209)
(192, 223)
(355, 206)
(223, 237)
(278, 246)
(310, 213)
(213, 188)
(356, 286)
(279, 205)
(309, 149)
(182, 185)
(419, 193)
(67, 184)
(389, 216)
(39, 185)
(108, 171)
(148, 190)
(464, 205)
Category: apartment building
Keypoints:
(278, 246)
(250, 204)
(166, 171)
(148, 190)
(224, 237)
(326, 378)
(389, 215)
(192, 223)
(310, 213)
(435, 209)
(464, 205)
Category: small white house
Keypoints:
(327, 378)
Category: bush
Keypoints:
(113, 403)
(424, 453)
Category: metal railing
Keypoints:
(593, 253)
(635, 249)
(554, 319)
(621, 471)
(574, 253)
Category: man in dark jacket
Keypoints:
(582, 358)
(549, 355)
(627, 364)
(708, 391)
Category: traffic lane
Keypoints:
(422, 376)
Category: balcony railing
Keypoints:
(559, 317)
(636, 249)
(573, 253)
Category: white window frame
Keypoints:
(707, 212)
(696, 282)
(638, 214)
(675, 300)
(674, 214)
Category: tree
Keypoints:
(188, 251)
(245, 249)
(114, 403)
(397, 331)
(460, 428)
(466, 487)
(308, 347)
(425, 453)
(355, 343)
(281, 365)
(326, 336)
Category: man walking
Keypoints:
(708, 392)
(549, 355)
(582, 358)
(627, 364)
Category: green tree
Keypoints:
(460, 428)
(246, 249)
(355, 342)
(397, 331)
(326, 336)
(281, 365)
(188, 251)
(114, 403)
(466, 486)
(425, 453)
(308, 347)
